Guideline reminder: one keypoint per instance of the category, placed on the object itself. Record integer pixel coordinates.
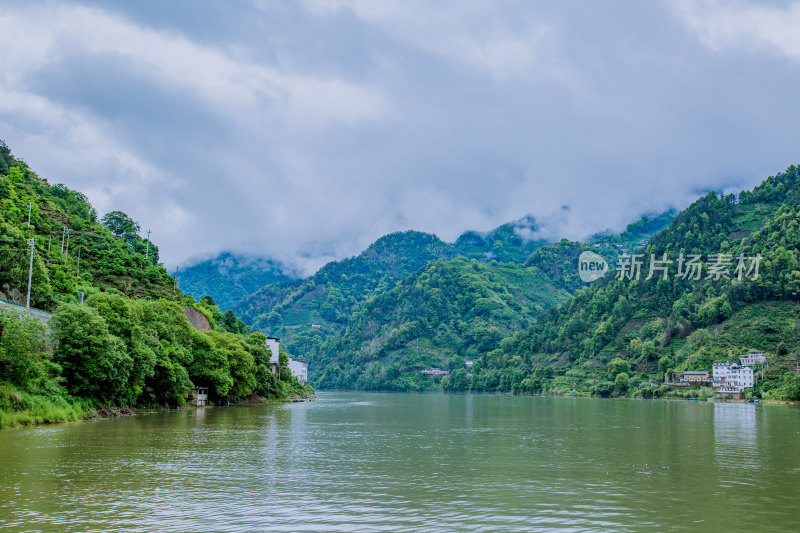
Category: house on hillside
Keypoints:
(274, 346)
(732, 378)
(753, 359)
(298, 368)
(695, 377)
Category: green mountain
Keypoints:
(305, 312)
(450, 311)
(130, 342)
(559, 260)
(650, 329)
(320, 317)
(230, 277)
(512, 242)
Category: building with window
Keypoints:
(299, 369)
(274, 346)
(732, 377)
(753, 359)
(695, 377)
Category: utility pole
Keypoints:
(30, 274)
(66, 251)
(30, 205)
(78, 273)
(147, 251)
(49, 242)
(63, 233)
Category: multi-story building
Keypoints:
(733, 376)
(299, 370)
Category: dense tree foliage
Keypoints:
(229, 278)
(73, 251)
(449, 312)
(130, 343)
(662, 326)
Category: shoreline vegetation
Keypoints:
(116, 333)
(67, 374)
(53, 412)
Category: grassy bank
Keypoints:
(20, 408)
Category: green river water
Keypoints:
(412, 462)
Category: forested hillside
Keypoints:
(449, 312)
(130, 342)
(229, 277)
(512, 242)
(649, 329)
(303, 313)
(73, 249)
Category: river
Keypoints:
(412, 462)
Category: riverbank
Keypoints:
(20, 408)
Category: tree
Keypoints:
(22, 347)
(6, 159)
(617, 366)
(621, 382)
(95, 363)
(121, 225)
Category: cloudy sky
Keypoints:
(305, 130)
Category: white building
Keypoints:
(299, 370)
(753, 359)
(432, 372)
(274, 346)
(732, 377)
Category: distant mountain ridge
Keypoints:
(229, 277)
(306, 312)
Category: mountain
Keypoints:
(512, 242)
(454, 310)
(449, 312)
(229, 277)
(74, 251)
(304, 312)
(321, 317)
(650, 329)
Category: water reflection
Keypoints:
(736, 435)
(427, 462)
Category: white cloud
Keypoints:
(474, 34)
(306, 131)
(744, 25)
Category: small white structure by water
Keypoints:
(299, 370)
(274, 346)
(200, 396)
